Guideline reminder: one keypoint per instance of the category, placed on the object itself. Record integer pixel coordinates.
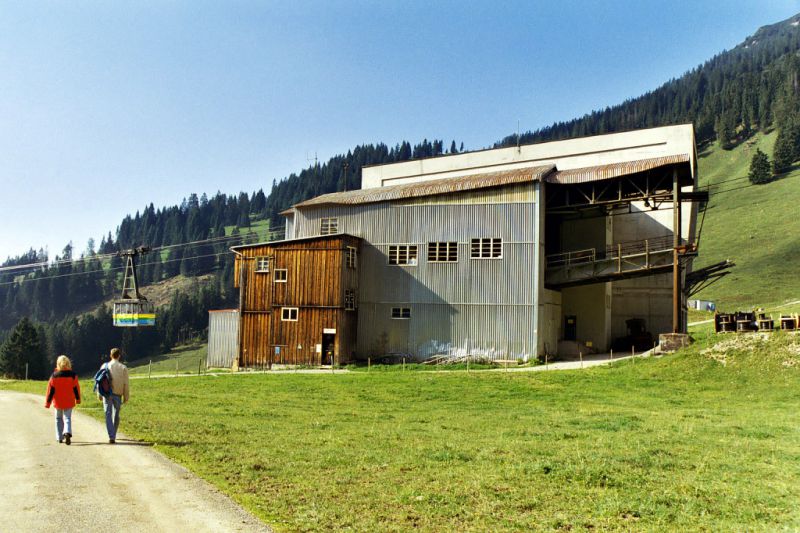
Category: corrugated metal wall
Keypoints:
(483, 307)
(223, 338)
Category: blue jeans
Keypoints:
(63, 415)
(112, 406)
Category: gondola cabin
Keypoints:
(134, 313)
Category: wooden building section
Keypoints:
(298, 300)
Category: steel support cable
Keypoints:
(53, 264)
(700, 230)
(108, 269)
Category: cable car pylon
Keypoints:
(132, 309)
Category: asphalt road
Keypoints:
(94, 486)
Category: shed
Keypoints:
(223, 338)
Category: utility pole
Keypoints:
(345, 165)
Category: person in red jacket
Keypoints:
(64, 392)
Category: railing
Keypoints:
(615, 261)
(612, 251)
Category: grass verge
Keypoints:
(696, 441)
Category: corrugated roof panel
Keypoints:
(604, 172)
(431, 188)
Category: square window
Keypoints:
(262, 264)
(280, 275)
(350, 300)
(329, 226)
(289, 314)
(487, 248)
(442, 252)
(403, 254)
(401, 312)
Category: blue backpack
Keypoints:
(102, 382)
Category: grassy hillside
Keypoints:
(190, 359)
(701, 441)
(757, 227)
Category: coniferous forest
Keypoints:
(61, 302)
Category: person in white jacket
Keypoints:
(120, 393)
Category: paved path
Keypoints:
(94, 486)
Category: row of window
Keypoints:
(262, 264)
(439, 252)
(407, 254)
(289, 314)
(446, 252)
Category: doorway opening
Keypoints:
(328, 344)
(570, 328)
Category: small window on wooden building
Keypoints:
(350, 300)
(351, 257)
(403, 254)
(442, 252)
(281, 274)
(401, 312)
(262, 264)
(329, 226)
(289, 314)
(487, 248)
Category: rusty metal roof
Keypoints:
(547, 173)
(297, 239)
(604, 172)
(431, 188)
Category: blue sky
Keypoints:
(108, 106)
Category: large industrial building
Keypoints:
(506, 253)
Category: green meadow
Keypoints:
(705, 440)
(190, 359)
(755, 226)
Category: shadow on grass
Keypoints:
(119, 442)
(781, 176)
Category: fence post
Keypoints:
(610, 357)
(633, 355)
(369, 363)
(26, 371)
(580, 354)
(404, 364)
(149, 369)
(545, 361)
(199, 364)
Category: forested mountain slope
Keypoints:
(741, 98)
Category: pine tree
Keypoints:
(759, 168)
(23, 348)
(783, 153)
(726, 129)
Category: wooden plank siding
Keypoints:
(317, 277)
